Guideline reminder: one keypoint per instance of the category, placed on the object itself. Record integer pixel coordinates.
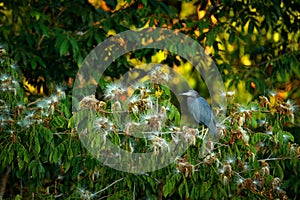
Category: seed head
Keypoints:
(153, 122)
(158, 144)
(158, 76)
(116, 106)
(239, 181)
(88, 102)
(102, 123)
(114, 92)
(230, 160)
(230, 93)
(190, 134)
(60, 91)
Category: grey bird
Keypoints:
(200, 110)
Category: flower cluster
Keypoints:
(184, 167)
(139, 104)
(159, 76)
(8, 84)
(115, 92)
(85, 194)
(240, 159)
(158, 144)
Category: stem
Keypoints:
(273, 159)
(3, 182)
(108, 186)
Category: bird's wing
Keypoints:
(203, 114)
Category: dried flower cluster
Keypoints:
(115, 92)
(243, 122)
(17, 114)
(149, 120)
(159, 76)
(184, 167)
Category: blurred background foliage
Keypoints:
(254, 43)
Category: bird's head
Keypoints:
(190, 93)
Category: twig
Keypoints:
(3, 182)
(105, 197)
(273, 159)
(58, 195)
(109, 186)
(64, 133)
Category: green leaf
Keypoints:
(58, 122)
(41, 170)
(168, 187)
(231, 38)
(145, 2)
(59, 39)
(151, 21)
(79, 60)
(33, 64)
(253, 122)
(37, 144)
(74, 45)
(203, 25)
(70, 153)
(211, 37)
(56, 155)
(35, 14)
(251, 26)
(181, 189)
(64, 47)
(67, 165)
(18, 197)
(33, 168)
(258, 137)
(187, 194)
(71, 122)
(177, 118)
(20, 164)
(45, 29)
(279, 171)
(26, 156)
(41, 62)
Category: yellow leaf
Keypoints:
(135, 61)
(95, 3)
(187, 9)
(111, 32)
(159, 57)
(201, 14)
(213, 19)
(246, 60)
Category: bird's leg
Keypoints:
(202, 133)
(206, 131)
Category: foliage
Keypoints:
(251, 40)
(254, 42)
(255, 158)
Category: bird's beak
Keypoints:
(184, 94)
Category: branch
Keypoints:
(108, 186)
(273, 159)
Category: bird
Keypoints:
(200, 110)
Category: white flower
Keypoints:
(115, 91)
(157, 75)
(230, 93)
(60, 91)
(4, 77)
(239, 181)
(230, 159)
(273, 93)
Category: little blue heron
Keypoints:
(200, 110)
